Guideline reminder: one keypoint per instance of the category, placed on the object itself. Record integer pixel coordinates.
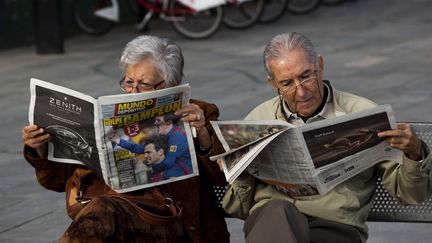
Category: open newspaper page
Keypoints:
(242, 141)
(237, 134)
(313, 158)
(347, 145)
(146, 144)
(70, 117)
(234, 163)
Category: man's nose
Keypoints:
(300, 90)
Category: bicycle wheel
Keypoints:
(87, 21)
(332, 2)
(273, 10)
(302, 6)
(194, 25)
(240, 14)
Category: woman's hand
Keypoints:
(36, 138)
(195, 115)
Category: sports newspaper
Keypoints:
(310, 159)
(132, 141)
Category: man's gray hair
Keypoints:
(288, 42)
(163, 52)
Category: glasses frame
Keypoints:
(300, 83)
(151, 87)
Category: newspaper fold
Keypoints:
(310, 159)
(132, 141)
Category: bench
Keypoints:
(385, 208)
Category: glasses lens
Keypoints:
(145, 86)
(303, 82)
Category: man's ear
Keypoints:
(321, 65)
(272, 82)
(161, 152)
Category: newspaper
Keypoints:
(310, 159)
(132, 141)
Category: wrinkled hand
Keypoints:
(192, 113)
(405, 139)
(35, 138)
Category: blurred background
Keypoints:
(381, 50)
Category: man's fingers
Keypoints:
(219, 162)
(403, 126)
(392, 133)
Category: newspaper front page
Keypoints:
(310, 159)
(132, 141)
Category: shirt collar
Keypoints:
(330, 108)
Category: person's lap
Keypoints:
(281, 221)
(107, 219)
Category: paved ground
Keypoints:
(378, 49)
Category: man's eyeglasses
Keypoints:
(291, 85)
(129, 85)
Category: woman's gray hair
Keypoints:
(164, 53)
(288, 42)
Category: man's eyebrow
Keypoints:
(306, 71)
(285, 80)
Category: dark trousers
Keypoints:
(280, 221)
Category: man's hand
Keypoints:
(36, 138)
(405, 139)
(219, 162)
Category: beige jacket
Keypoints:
(347, 203)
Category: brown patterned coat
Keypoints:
(202, 218)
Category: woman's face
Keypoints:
(142, 77)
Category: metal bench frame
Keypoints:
(385, 208)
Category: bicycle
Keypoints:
(302, 6)
(332, 2)
(191, 19)
(273, 10)
(240, 14)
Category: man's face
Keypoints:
(152, 156)
(293, 67)
(163, 127)
(144, 77)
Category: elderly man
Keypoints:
(149, 63)
(271, 213)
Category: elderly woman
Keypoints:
(149, 63)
